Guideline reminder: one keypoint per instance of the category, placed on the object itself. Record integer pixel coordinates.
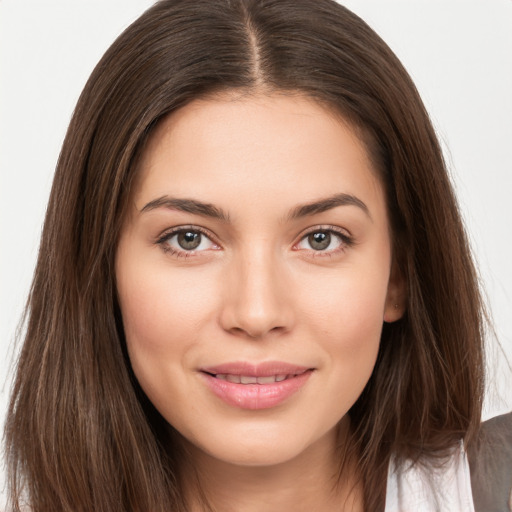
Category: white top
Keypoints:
(445, 489)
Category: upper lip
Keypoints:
(265, 369)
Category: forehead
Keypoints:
(255, 150)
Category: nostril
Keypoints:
(255, 310)
(255, 333)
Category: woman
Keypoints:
(240, 299)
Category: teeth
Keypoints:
(249, 379)
(267, 380)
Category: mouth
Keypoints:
(252, 379)
(262, 386)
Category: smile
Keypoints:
(252, 387)
(249, 379)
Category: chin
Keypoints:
(257, 446)
(255, 456)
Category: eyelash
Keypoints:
(163, 240)
(346, 241)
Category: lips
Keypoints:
(265, 369)
(250, 379)
(262, 386)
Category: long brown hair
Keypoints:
(80, 433)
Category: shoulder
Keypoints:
(430, 484)
(490, 460)
(482, 477)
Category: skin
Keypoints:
(256, 290)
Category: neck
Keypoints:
(310, 481)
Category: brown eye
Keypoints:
(186, 241)
(324, 241)
(320, 240)
(189, 240)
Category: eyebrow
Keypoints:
(329, 203)
(187, 205)
(209, 210)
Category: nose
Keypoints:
(257, 298)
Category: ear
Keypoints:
(396, 298)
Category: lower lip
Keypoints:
(256, 396)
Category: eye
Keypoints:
(324, 240)
(186, 240)
(319, 241)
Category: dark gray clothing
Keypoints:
(490, 461)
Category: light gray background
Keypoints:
(459, 52)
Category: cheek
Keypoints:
(346, 304)
(162, 314)
(346, 319)
(159, 307)
(350, 341)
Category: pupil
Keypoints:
(189, 240)
(320, 240)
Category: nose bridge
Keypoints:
(257, 301)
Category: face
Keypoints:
(253, 274)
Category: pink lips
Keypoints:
(253, 387)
